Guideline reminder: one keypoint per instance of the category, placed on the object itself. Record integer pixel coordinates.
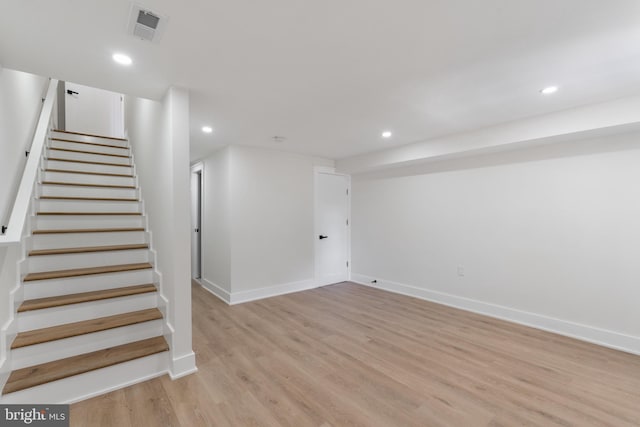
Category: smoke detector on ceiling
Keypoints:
(145, 24)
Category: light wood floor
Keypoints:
(348, 355)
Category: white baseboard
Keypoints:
(602, 337)
(233, 298)
(215, 290)
(183, 366)
(271, 291)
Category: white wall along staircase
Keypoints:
(88, 309)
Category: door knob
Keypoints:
(322, 237)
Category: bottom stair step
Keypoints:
(63, 368)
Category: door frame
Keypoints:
(327, 170)
(198, 168)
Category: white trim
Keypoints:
(271, 291)
(233, 298)
(216, 290)
(114, 388)
(602, 337)
(198, 167)
(183, 365)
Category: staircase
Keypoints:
(88, 318)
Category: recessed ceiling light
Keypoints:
(549, 90)
(122, 59)
(386, 134)
(207, 129)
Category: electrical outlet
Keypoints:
(460, 271)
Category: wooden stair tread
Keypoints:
(68, 330)
(89, 213)
(77, 184)
(88, 230)
(69, 150)
(124, 175)
(70, 366)
(89, 134)
(62, 251)
(102, 199)
(74, 272)
(89, 143)
(87, 162)
(57, 301)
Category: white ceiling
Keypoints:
(330, 75)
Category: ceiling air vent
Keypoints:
(145, 24)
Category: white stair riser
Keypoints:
(57, 164)
(74, 346)
(36, 319)
(61, 222)
(78, 240)
(90, 259)
(97, 148)
(97, 192)
(93, 383)
(92, 139)
(87, 157)
(88, 179)
(95, 282)
(86, 206)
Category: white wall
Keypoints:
(20, 103)
(270, 227)
(548, 236)
(159, 137)
(215, 224)
(95, 111)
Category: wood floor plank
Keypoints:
(352, 355)
(80, 184)
(39, 336)
(89, 143)
(88, 213)
(63, 368)
(107, 199)
(123, 175)
(61, 300)
(88, 249)
(70, 150)
(57, 159)
(89, 134)
(58, 274)
(88, 230)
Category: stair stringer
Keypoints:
(16, 256)
(163, 301)
(179, 365)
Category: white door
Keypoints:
(94, 111)
(196, 211)
(332, 228)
